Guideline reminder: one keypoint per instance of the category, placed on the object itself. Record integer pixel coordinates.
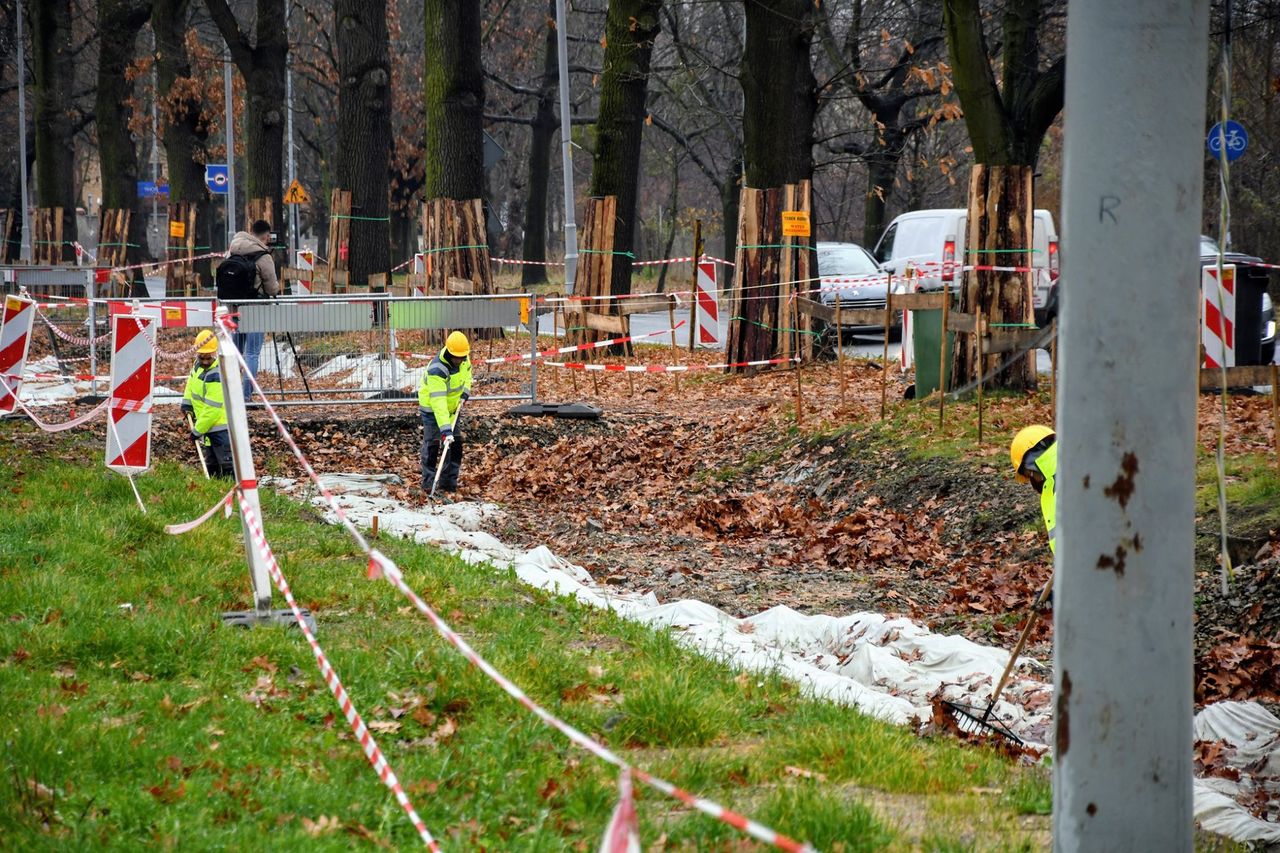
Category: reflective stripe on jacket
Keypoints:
(1048, 465)
(204, 393)
(442, 387)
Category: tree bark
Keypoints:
(364, 131)
(780, 93)
(262, 64)
(453, 87)
(53, 62)
(118, 25)
(630, 29)
(180, 126)
(544, 130)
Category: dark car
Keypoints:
(1251, 282)
(849, 271)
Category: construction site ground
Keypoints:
(710, 489)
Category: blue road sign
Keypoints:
(215, 178)
(149, 189)
(1236, 138)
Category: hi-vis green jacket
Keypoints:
(1048, 465)
(204, 395)
(442, 387)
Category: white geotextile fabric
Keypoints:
(51, 392)
(888, 668)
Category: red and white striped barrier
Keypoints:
(1217, 329)
(133, 364)
(15, 340)
(708, 305)
(331, 680)
(622, 834)
(224, 503)
(665, 368)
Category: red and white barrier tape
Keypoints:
(169, 263)
(665, 368)
(330, 675)
(71, 339)
(71, 424)
(521, 263)
(685, 260)
(380, 563)
(224, 503)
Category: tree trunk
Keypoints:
(544, 130)
(730, 196)
(1001, 220)
(364, 131)
(453, 87)
(118, 25)
(630, 29)
(180, 126)
(882, 168)
(53, 61)
(262, 64)
(780, 93)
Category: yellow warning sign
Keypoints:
(795, 223)
(296, 194)
(177, 228)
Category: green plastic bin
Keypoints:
(926, 338)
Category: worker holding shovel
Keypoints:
(446, 384)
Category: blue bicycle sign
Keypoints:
(1233, 135)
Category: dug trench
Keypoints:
(721, 503)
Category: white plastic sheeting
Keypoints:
(36, 392)
(888, 668)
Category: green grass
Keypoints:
(135, 719)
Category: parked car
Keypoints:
(849, 271)
(931, 239)
(1251, 279)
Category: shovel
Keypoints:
(199, 453)
(444, 451)
(977, 721)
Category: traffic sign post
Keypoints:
(1232, 135)
(215, 178)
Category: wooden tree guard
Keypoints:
(454, 238)
(10, 234)
(46, 236)
(336, 271)
(180, 278)
(113, 236)
(259, 208)
(766, 319)
(997, 239)
(591, 319)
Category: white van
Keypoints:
(932, 239)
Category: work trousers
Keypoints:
(216, 447)
(430, 455)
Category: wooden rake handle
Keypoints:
(1017, 649)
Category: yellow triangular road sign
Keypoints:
(296, 194)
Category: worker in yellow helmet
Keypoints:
(445, 385)
(202, 403)
(1034, 453)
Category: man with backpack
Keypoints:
(248, 273)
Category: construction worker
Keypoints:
(202, 403)
(445, 385)
(1034, 453)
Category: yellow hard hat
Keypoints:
(457, 345)
(1027, 438)
(206, 342)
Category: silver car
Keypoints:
(849, 271)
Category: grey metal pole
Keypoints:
(566, 152)
(22, 138)
(242, 458)
(231, 146)
(1127, 426)
(288, 122)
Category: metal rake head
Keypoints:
(977, 721)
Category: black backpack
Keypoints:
(237, 278)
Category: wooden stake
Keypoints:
(595, 385)
(373, 530)
(942, 358)
(671, 318)
(884, 372)
(839, 352)
(1275, 408)
(799, 399)
(980, 325)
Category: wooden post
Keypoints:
(884, 366)
(942, 358)
(1275, 409)
(839, 352)
(982, 368)
(693, 290)
(373, 530)
(595, 384)
(799, 398)
(671, 318)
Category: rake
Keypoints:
(977, 720)
(444, 451)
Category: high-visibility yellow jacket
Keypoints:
(441, 390)
(1047, 462)
(204, 394)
